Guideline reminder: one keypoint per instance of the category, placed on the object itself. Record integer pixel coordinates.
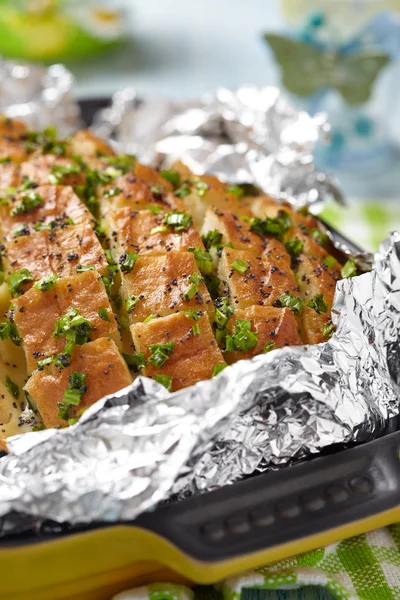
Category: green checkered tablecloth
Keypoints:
(366, 567)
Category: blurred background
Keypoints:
(336, 56)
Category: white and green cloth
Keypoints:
(366, 567)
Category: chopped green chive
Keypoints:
(27, 204)
(218, 368)
(165, 380)
(294, 247)
(244, 339)
(72, 395)
(127, 261)
(195, 280)
(154, 209)
(60, 172)
(122, 162)
(103, 314)
(329, 261)
(203, 259)
(44, 362)
(84, 268)
(288, 300)
(17, 279)
(236, 190)
(157, 191)
(160, 353)
(112, 192)
(272, 226)
(196, 330)
(5, 159)
(136, 362)
(131, 302)
(212, 239)
(349, 269)
(268, 346)
(328, 330)
(12, 388)
(213, 284)
(179, 221)
(320, 237)
(9, 331)
(21, 230)
(46, 283)
(172, 176)
(193, 314)
(201, 188)
(183, 191)
(240, 266)
(223, 311)
(150, 318)
(318, 304)
(75, 328)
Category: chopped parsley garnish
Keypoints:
(72, 395)
(112, 192)
(201, 188)
(236, 190)
(268, 346)
(320, 237)
(84, 268)
(60, 172)
(183, 191)
(212, 239)
(172, 176)
(9, 331)
(61, 222)
(244, 339)
(218, 368)
(131, 302)
(127, 261)
(12, 388)
(195, 280)
(193, 314)
(349, 269)
(294, 247)
(288, 300)
(75, 328)
(328, 330)
(240, 266)
(154, 208)
(136, 362)
(276, 226)
(179, 221)
(165, 380)
(28, 203)
(17, 279)
(160, 353)
(5, 159)
(103, 314)
(329, 261)
(46, 283)
(318, 304)
(196, 330)
(203, 259)
(223, 311)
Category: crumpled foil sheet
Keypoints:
(249, 135)
(39, 96)
(139, 447)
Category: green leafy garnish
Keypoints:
(288, 300)
(183, 191)
(44, 362)
(236, 190)
(160, 353)
(203, 259)
(112, 192)
(268, 346)
(328, 330)
(123, 162)
(195, 280)
(46, 283)
(196, 329)
(294, 247)
(329, 261)
(276, 226)
(223, 311)
(5, 159)
(17, 279)
(201, 188)
(165, 380)
(74, 328)
(318, 304)
(103, 314)
(320, 237)
(136, 362)
(9, 330)
(12, 387)
(60, 172)
(21, 230)
(179, 221)
(212, 239)
(72, 395)
(127, 261)
(212, 283)
(240, 265)
(193, 314)
(150, 318)
(84, 268)
(154, 208)
(28, 203)
(131, 302)
(218, 368)
(349, 269)
(244, 339)
(172, 176)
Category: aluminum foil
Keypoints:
(133, 450)
(39, 96)
(247, 135)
